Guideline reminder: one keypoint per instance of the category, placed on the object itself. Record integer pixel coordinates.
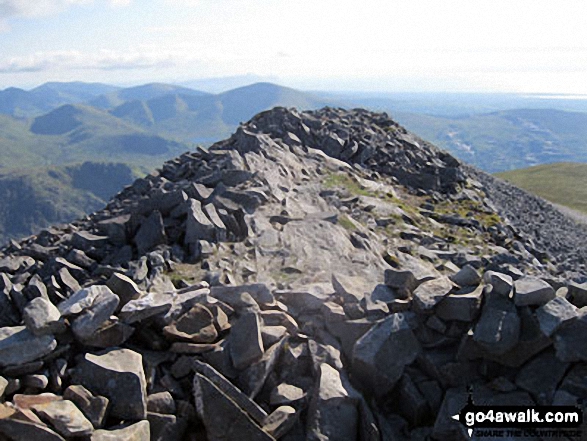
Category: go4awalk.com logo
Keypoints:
(514, 421)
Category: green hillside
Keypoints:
(38, 197)
(562, 183)
(506, 140)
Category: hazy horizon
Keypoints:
(380, 46)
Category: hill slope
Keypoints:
(561, 183)
(507, 140)
(317, 275)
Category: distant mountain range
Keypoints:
(59, 125)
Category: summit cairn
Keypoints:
(317, 275)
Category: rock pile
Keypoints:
(319, 275)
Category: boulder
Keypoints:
(198, 226)
(333, 412)
(280, 421)
(464, 305)
(502, 283)
(555, 314)
(466, 276)
(124, 287)
(150, 234)
(93, 407)
(41, 317)
(531, 291)
(380, 356)
(498, 328)
(16, 425)
(215, 409)
(196, 326)
(65, 417)
(246, 343)
(429, 293)
(118, 375)
(570, 339)
(19, 346)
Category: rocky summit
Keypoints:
(319, 275)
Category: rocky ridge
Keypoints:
(318, 275)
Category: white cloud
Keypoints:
(75, 60)
(39, 8)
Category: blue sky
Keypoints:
(526, 46)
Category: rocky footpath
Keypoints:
(318, 275)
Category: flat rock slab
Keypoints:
(93, 407)
(531, 291)
(18, 346)
(118, 375)
(502, 283)
(16, 426)
(134, 432)
(65, 417)
(215, 409)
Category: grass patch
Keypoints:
(346, 223)
(563, 183)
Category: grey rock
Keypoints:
(231, 294)
(272, 334)
(463, 305)
(18, 426)
(351, 289)
(161, 402)
(118, 375)
(41, 317)
(333, 412)
(280, 421)
(498, 328)
(93, 407)
(19, 346)
(569, 341)
(215, 409)
(246, 343)
(391, 340)
(555, 314)
(124, 287)
(196, 326)
(150, 234)
(84, 240)
(541, 377)
(578, 294)
(429, 293)
(229, 390)
(502, 283)
(253, 378)
(467, 276)
(65, 417)
(198, 226)
(307, 298)
(133, 432)
(286, 394)
(92, 307)
(532, 291)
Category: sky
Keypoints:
(521, 46)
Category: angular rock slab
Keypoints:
(65, 417)
(555, 314)
(246, 343)
(19, 346)
(333, 412)
(532, 291)
(380, 356)
(118, 375)
(215, 409)
(41, 317)
(196, 326)
(15, 425)
(498, 329)
(135, 432)
(428, 294)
